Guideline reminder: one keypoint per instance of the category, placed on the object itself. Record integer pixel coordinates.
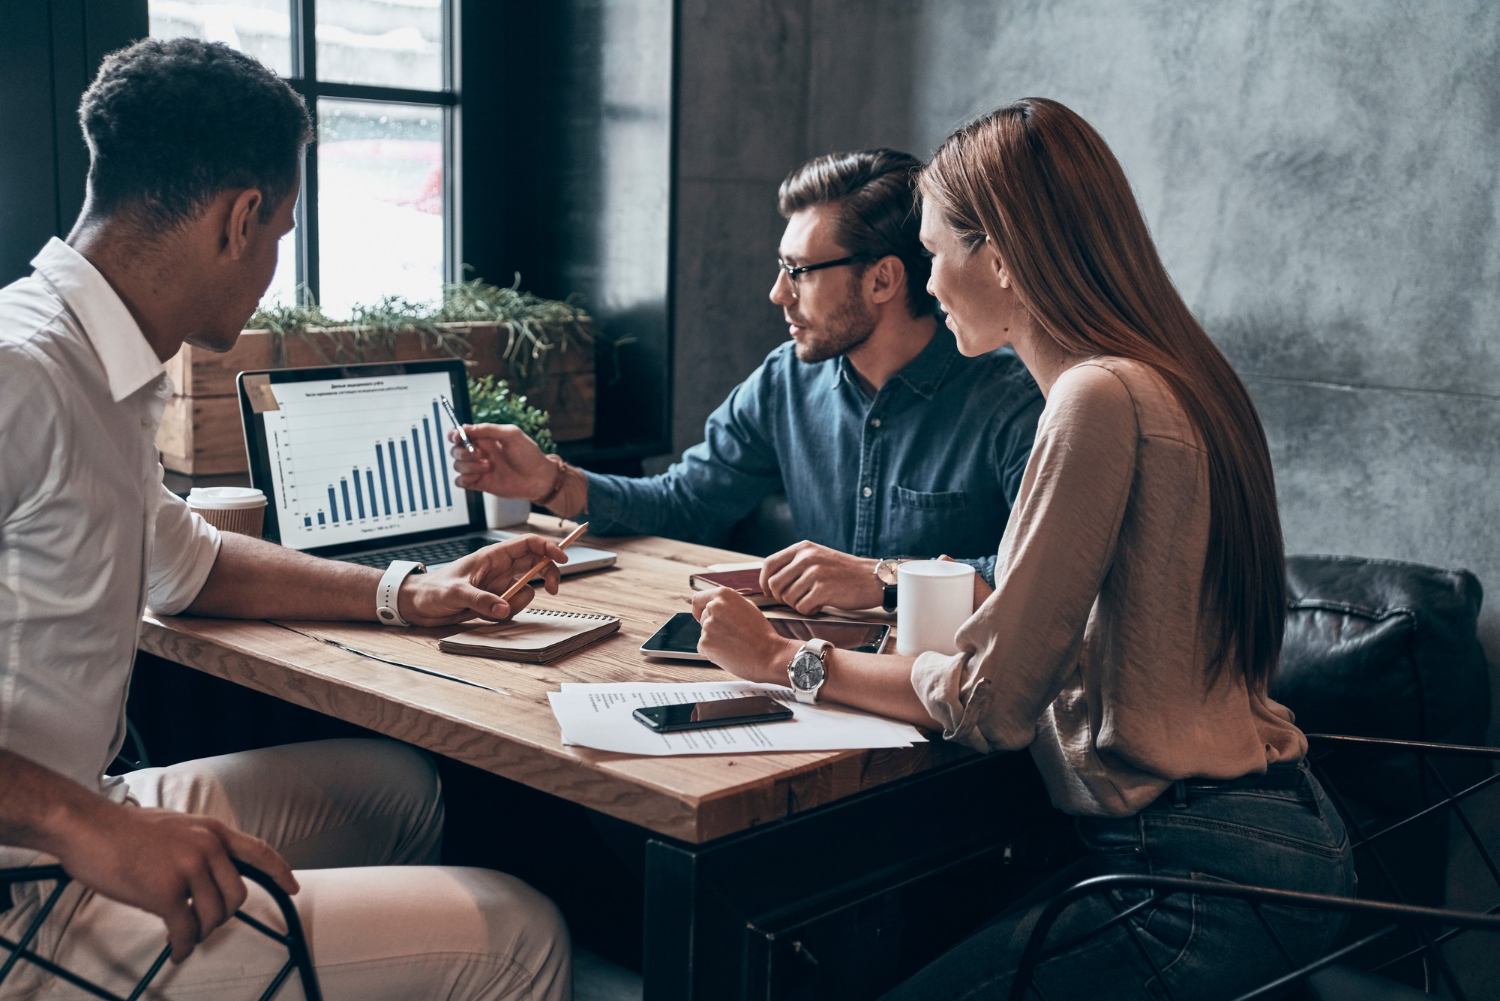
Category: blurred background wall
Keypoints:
(1321, 179)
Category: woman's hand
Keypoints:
(737, 637)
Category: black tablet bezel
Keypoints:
(655, 645)
(259, 454)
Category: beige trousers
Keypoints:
(361, 822)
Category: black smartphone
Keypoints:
(678, 639)
(719, 712)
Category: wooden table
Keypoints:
(723, 828)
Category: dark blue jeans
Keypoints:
(1281, 833)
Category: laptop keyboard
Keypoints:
(428, 553)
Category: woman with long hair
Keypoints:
(1139, 594)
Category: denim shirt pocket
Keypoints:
(923, 500)
(964, 524)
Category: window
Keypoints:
(376, 214)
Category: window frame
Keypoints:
(304, 80)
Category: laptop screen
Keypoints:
(355, 457)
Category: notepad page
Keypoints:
(531, 630)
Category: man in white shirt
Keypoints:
(195, 156)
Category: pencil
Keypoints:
(510, 592)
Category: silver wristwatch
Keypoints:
(808, 670)
(385, 595)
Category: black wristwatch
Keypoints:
(885, 572)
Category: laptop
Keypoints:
(355, 465)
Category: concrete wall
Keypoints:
(1320, 176)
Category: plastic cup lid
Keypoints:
(225, 498)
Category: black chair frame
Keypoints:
(294, 941)
(1432, 926)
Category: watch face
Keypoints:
(807, 670)
(885, 571)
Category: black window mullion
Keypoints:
(305, 65)
(387, 95)
(453, 266)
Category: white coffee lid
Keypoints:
(225, 498)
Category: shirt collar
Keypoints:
(126, 355)
(926, 372)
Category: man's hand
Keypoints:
(174, 865)
(472, 586)
(737, 637)
(505, 462)
(808, 576)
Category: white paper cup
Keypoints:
(230, 509)
(933, 598)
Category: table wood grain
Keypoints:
(507, 727)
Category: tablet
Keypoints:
(678, 639)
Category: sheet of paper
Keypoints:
(599, 716)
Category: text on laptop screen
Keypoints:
(356, 459)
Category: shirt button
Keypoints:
(867, 491)
(875, 423)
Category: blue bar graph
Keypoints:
(437, 425)
(385, 495)
(411, 494)
(390, 451)
(416, 449)
(432, 435)
(367, 503)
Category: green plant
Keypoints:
(493, 403)
(534, 327)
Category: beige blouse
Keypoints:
(1090, 651)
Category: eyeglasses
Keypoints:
(792, 273)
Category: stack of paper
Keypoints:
(599, 716)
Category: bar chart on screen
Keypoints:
(356, 458)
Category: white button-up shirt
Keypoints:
(88, 534)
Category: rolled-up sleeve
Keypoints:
(715, 483)
(182, 555)
(1016, 652)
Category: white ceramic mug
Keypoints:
(230, 509)
(933, 598)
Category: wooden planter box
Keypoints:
(200, 430)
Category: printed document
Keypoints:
(599, 716)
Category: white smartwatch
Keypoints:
(385, 595)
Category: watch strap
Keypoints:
(386, 609)
(888, 597)
(820, 648)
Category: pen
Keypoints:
(510, 592)
(454, 418)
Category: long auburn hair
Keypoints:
(1036, 180)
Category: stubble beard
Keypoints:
(849, 327)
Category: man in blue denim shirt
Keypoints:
(886, 441)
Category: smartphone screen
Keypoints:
(679, 637)
(719, 712)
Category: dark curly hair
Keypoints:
(170, 124)
(875, 193)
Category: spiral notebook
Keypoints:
(533, 636)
